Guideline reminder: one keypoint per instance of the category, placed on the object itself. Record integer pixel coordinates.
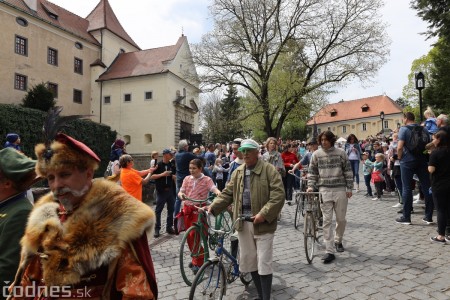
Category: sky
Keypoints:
(157, 23)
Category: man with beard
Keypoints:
(86, 238)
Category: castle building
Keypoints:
(94, 67)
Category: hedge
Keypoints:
(27, 123)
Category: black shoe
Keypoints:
(156, 235)
(428, 222)
(402, 220)
(329, 257)
(170, 230)
(339, 247)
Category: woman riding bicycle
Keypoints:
(196, 186)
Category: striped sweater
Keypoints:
(330, 168)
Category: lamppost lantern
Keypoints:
(398, 125)
(420, 81)
(420, 85)
(382, 121)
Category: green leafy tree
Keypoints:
(230, 110)
(436, 13)
(437, 92)
(423, 64)
(332, 41)
(39, 97)
(401, 101)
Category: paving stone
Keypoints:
(382, 260)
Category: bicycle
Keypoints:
(300, 201)
(212, 278)
(311, 223)
(193, 256)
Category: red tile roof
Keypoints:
(66, 20)
(145, 62)
(350, 110)
(102, 16)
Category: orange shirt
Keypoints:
(131, 182)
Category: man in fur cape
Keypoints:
(87, 239)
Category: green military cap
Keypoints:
(15, 165)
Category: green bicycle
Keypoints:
(197, 240)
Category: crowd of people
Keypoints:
(49, 246)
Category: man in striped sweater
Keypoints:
(330, 173)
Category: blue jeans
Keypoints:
(367, 181)
(398, 184)
(162, 198)
(177, 205)
(408, 169)
(355, 169)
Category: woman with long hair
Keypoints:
(353, 150)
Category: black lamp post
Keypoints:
(398, 125)
(420, 85)
(382, 121)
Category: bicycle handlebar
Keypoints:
(224, 232)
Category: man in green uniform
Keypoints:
(16, 176)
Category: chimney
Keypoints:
(32, 4)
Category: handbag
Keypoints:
(179, 223)
(377, 176)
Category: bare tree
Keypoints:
(335, 40)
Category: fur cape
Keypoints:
(94, 235)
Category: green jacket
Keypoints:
(13, 219)
(267, 195)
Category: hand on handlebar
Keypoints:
(309, 190)
(291, 171)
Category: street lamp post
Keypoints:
(420, 85)
(382, 121)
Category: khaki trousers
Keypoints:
(334, 199)
(256, 251)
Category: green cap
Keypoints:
(15, 165)
(248, 144)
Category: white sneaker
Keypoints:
(375, 199)
(357, 189)
(398, 205)
(419, 202)
(416, 197)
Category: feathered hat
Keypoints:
(61, 151)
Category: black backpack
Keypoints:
(419, 139)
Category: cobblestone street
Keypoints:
(382, 260)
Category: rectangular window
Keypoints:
(107, 100)
(77, 96)
(78, 66)
(386, 124)
(52, 56)
(148, 95)
(53, 87)
(344, 129)
(21, 45)
(364, 127)
(127, 97)
(20, 82)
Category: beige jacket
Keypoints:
(267, 195)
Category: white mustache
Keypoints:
(75, 193)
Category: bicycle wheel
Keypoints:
(309, 236)
(187, 270)
(210, 282)
(223, 221)
(298, 211)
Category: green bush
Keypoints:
(39, 97)
(28, 122)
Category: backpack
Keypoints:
(419, 139)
